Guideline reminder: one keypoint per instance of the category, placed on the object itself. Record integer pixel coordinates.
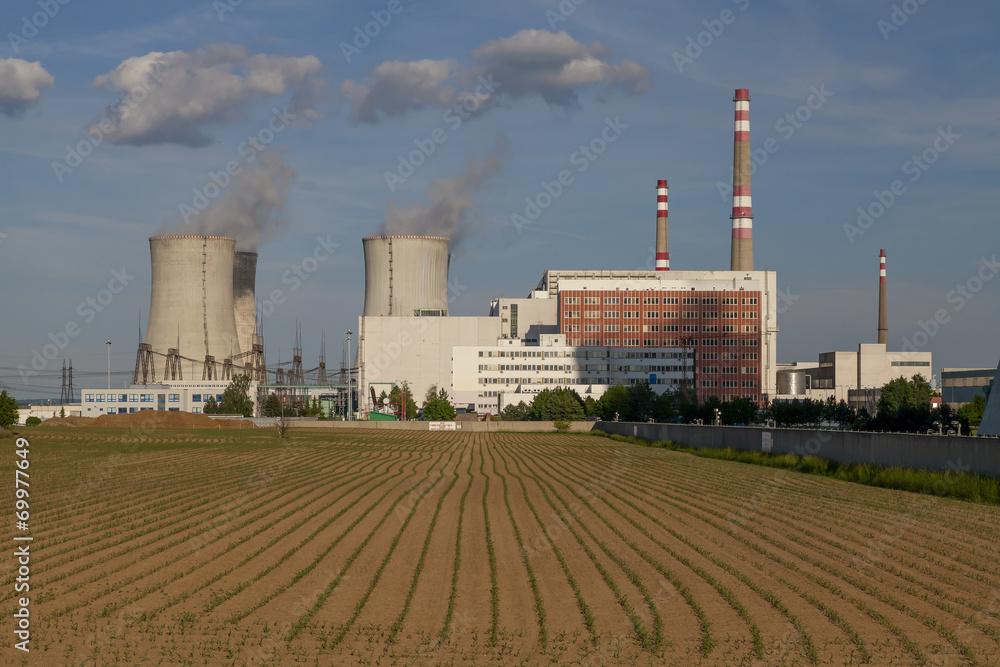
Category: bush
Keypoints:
(561, 424)
(32, 421)
(4, 434)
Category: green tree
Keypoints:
(666, 407)
(32, 421)
(904, 405)
(516, 413)
(272, 406)
(210, 407)
(437, 406)
(738, 411)
(395, 398)
(590, 407)
(62, 412)
(641, 402)
(236, 399)
(557, 404)
(971, 414)
(8, 410)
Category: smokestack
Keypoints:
(662, 240)
(742, 217)
(883, 329)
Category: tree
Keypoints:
(236, 399)
(904, 405)
(641, 402)
(395, 397)
(272, 406)
(62, 413)
(516, 413)
(32, 421)
(666, 407)
(738, 411)
(614, 403)
(210, 407)
(971, 414)
(557, 404)
(437, 406)
(8, 410)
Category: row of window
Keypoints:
(655, 314)
(729, 370)
(126, 398)
(655, 300)
(729, 384)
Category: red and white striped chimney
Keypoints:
(883, 328)
(742, 217)
(662, 240)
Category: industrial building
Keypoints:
(853, 376)
(961, 385)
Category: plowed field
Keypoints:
(364, 547)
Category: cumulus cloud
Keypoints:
(550, 65)
(251, 207)
(449, 202)
(21, 85)
(555, 66)
(170, 97)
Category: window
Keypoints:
(610, 314)
(611, 327)
(630, 327)
(123, 398)
(133, 398)
(631, 314)
(670, 327)
(651, 328)
(710, 301)
(632, 341)
(690, 314)
(196, 398)
(730, 342)
(610, 300)
(750, 301)
(729, 370)
(728, 328)
(571, 300)
(750, 314)
(652, 314)
(749, 328)
(750, 355)
(651, 301)
(670, 301)
(572, 313)
(145, 398)
(591, 315)
(669, 314)
(691, 328)
(631, 301)
(710, 370)
(196, 411)
(710, 314)
(911, 363)
(175, 398)
(100, 398)
(611, 342)
(729, 301)
(733, 315)
(174, 409)
(749, 383)
(690, 301)
(590, 300)
(89, 398)
(749, 370)
(572, 327)
(710, 327)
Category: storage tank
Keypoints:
(791, 383)
(191, 300)
(406, 276)
(244, 295)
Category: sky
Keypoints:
(305, 125)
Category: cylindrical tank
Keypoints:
(244, 290)
(406, 276)
(791, 383)
(191, 300)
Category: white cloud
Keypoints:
(21, 85)
(170, 97)
(550, 65)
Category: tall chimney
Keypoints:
(662, 240)
(883, 329)
(742, 217)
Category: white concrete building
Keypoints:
(180, 396)
(850, 376)
(44, 412)
(510, 371)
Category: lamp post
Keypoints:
(350, 398)
(109, 364)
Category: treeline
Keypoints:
(904, 405)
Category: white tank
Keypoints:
(406, 276)
(244, 288)
(191, 300)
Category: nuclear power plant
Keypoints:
(703, 333)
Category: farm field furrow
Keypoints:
(392, 547)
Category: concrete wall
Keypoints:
(929, 452)
(474, 427)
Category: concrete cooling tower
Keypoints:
(191, 301)
(244, 289)
(406, 276)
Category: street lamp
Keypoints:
(350, 399)
(109, 364)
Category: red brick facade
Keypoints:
(723, 327)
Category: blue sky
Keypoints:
(881, 93)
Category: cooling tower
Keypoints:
(406, 276)
(244, 288)
(191, 300)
